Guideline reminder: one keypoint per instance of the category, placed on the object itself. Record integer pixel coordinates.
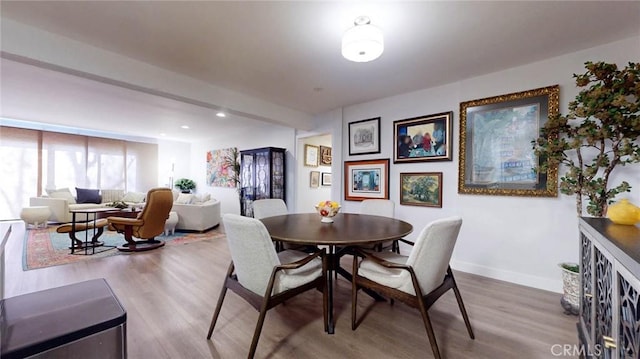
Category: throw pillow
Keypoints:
(184, 198)
(63, 193)
(88, 195)
(200, 199)
(111, 195)
(134, 197)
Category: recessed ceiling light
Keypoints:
(163, 134)
(221, 114)
(185, 127)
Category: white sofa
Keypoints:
(60, 207)
(197, 217)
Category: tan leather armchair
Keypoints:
(149, 223)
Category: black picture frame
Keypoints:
(423, 139)
(364, 137)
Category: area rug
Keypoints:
(46, 248)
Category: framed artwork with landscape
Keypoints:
(366, 180)
(496, 152)
(364, 137)
(424, 138)
(421, 189)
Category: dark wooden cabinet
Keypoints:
(609, 325)
(262, 175)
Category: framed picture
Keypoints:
(366, 179)
(325, 156)
(314, 179)
(496, 154)
(364, 137)
(425, 138)
(311, 155)
(326, 179)
(421, 189)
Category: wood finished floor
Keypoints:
(170, 294)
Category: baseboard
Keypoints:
(553, 285)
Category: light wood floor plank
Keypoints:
(170, 295)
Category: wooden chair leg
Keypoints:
(354, 293)
(256, 334)
(325, 295)
(461, 305)
(223, 293)
(429, 327)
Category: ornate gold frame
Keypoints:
(546, 183)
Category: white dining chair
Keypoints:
(269, 207)
(263, 277)
(383, 208)
(417, 280)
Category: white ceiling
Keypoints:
(80, 104)
(289, 52)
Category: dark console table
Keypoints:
(610, 289)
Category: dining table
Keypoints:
(347, 230)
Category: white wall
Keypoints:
(259, 135)
(307, 197)
(173, 158)
(510, 238)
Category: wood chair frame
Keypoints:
(269, 300)
(420, 301)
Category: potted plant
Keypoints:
(185, 185)
(598, 134)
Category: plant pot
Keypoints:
(571, 289)
(186, 191)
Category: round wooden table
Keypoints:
(347, 230)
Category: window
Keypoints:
(33, 161)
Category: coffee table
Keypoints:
(86, 224)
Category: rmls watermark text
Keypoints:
(573, 350)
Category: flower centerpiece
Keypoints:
(328, 210)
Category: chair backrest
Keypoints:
(155, 213)
(432, 251)
(269, 207)
(252, 251)
(377, 207)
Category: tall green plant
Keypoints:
(599, 133)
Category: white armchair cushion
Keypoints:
(184, 198)
(293, 278)
(111, 195)
(393, 278)
(134, 197)
(429, 259)
(255, 257)
(63, 193)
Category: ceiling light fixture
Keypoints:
(185, 127)
(363, 42)
(221, 114)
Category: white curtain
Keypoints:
(33, 161)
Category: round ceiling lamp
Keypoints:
(363, 42)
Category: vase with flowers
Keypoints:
(327, 210)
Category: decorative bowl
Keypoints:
(327, 210)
